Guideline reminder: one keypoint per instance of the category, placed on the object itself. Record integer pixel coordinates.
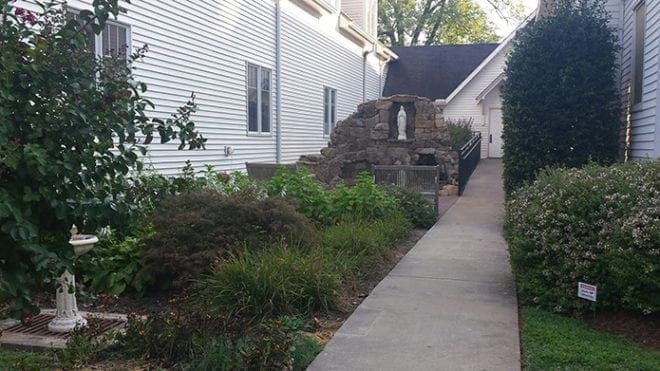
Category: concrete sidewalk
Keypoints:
(450, 303)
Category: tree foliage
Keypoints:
(430, 22)
(72, 128)
(561, 103)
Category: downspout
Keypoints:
(278, 78)
(364, 76)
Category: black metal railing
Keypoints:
(468, 158)
(422, 179)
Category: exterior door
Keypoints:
(495, 130)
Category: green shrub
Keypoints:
(169, 336)
(417, 208)
(73, 127)
(113, 263)
(193, 229)
(599, 225)
(217, 353)
(305, 350)
(561, 105)
(364, 200)
(460, 132)
(307, 195)
(275, 281)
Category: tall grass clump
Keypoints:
(275, 281)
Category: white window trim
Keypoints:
(98, 39)
(258, 133)
(327, 118)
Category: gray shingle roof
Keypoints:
(433, 71)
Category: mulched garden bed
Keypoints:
(329, 323)
(641, 329)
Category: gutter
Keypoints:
(278, 78)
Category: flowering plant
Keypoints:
(599, 225)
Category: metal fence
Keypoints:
(468, 159)
(261, 172)
(422, 179)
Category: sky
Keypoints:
(504, 28)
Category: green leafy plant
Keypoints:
(304, 352)
(169, 336)
(460, 132)
(194, 229)
(274, 345)
(84, 345)
(419, 210)
(599, 225)
(307, 195)
(561, 104)
(73, 127)
(364, 201)
(218, 353)
(111, 267)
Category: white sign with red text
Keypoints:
(587, 291)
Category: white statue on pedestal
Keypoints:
(401, 123)
(67, 317)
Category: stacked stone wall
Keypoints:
(369, 137)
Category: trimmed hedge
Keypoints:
(599, 225)
(561, 105)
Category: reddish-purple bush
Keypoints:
(193, 229)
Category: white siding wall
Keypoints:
(645, 121)
(203, 47)
(464, 104)
(363, 12)
(355, 9)
(312, 59)
(374, 83)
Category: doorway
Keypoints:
(495, 133)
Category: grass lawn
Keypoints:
(552, 342)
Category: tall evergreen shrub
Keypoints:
(561, 103)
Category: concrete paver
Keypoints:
(449, 304)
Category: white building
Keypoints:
(271, 77)
(637, 24)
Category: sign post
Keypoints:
(588, 292)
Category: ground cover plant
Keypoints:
(598, 225)
(552, 342)
(561, 105)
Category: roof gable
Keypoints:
(433, 72)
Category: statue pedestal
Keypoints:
(67, 317)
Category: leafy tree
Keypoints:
(430, 22)
(561, 103)
(72, 126)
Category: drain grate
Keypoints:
(38, 335)
(39, 326)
